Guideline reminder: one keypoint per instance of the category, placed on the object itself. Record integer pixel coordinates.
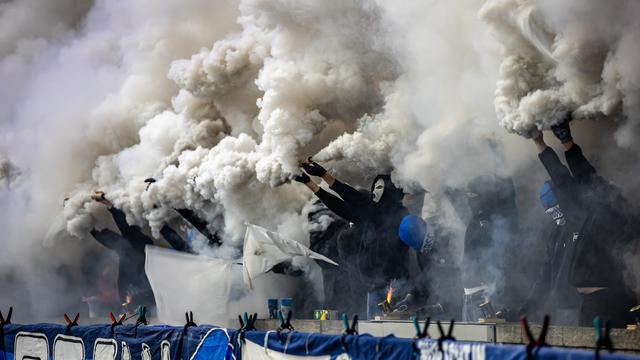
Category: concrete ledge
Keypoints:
(565, 336)
(568, 336)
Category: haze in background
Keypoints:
(219, 100)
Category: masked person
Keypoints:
(551, 293)
(599, 227)
(370, 251)
(488, 238)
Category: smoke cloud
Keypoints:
(566, 57)
(220, 100)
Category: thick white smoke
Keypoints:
(570, 56)
(220, 100)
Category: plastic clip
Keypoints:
(142, 316)
(4, 321)
(348, 329)
(189, 321)
(116, 322)
(420, 333)
(284, 324)
(70, 323)
(248, 324)
(534, 343)
(445, 337)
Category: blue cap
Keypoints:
(547, 197)
(413, 231)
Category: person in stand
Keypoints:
(371, 251)
(490, 233)
(596, 225)
(325, 228)
(129, 246)
(551, 293)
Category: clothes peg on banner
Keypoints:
(348, 330)
(534, 343)
(189, 320)
(420, 333)
(284, 325)
(603, 340)
(448, 336)
(70, 323)
(248, 324)
(189, 323)
(7, 320)
(142, 316)
(4, 321)
(251, 325)
(116, 321)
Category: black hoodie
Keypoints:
(371, 249)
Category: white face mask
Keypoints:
(378, 190)
(556, 214)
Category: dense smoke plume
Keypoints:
(572, 56)
(220, 100)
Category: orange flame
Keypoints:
(390, 293)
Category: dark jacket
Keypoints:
(324, 240)
(597, 212)
(130, 250)
(131, 273)
(490, 232)
(371, 248)
(552, 284)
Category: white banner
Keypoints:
(264, 249)
(212, 288)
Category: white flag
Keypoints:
(212, 288)
(264, 249)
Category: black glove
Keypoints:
(302, 178)
(313, 168)
(562, 131)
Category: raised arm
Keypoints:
(580, 167)
(199, 224)
(110, 240)
(346, 192)
(559, 174)
(334, 203)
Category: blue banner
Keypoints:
(158, 342)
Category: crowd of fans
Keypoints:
(384, 245)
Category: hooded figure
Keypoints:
(370, 250)
(373, 245)
(489, 236)
(551, 293)
(598, 227)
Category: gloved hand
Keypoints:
(313, 168)
(302, 178)
(562, 131)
